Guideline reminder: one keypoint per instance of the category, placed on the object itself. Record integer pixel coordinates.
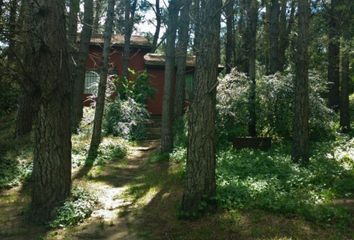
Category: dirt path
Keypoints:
(110, 220)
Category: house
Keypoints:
(140, 59)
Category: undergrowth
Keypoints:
(74, 210)
(249, 179)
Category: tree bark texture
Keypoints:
(97, 127)
(344, 87)
(158, 25)
(333, 57)
(252, 41)
(98, 11)
(25, 113)
(79, 79)
(128, 30)
(72, 22)
(230, 41)
(167, 107)
(274, 36)
(284, 31)
(48, 60)
(181, 58)
(301, 115)
(201, 185)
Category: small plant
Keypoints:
(136, 87)
(75, 210)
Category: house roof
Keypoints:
(118, 40)
(155, 59)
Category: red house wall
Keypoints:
(156, 73)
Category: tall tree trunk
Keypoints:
(201, 185)
(344, 93)
(230, 41)
(97, 127)
(266, 41)
(12, 30)
(284, 32)
(181, 57)
(79, 80)
(72, 22)
(333, 57)
(252, 40)
(98, 10)
(301, 116)
(128, 30)
(274, 36)
(27, 104)
(195, 24)
(243, 54)
(25, 113)
(48, 60)
(158, 25)
(167, 109)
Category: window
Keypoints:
(92, 79)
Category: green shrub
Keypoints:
(127, 119)
(274, 105)
(75, 210)
(271, 181)
(110, 151)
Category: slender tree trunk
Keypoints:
(201, 185)
(252, 40)
(230, 41)
(98, 10)
(243, 54)
(285, 30)
(266, 45)
(274, 36)
(48, 60)
(12, 30)
(181, 57)
(301, 116)
(25, 114)
(195, 24)
(72, 22)
(167, 109)
(128, 29)
(158, 25)
(344, 93)
(333, 57)
(27, 102)
(97, 127)
(79, 80)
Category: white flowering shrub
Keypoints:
(274, 105)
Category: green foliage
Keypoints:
(126, 118)
(157, 157)
(13, 172)
(271, 181)
(137, 87)
(74, 210)
(180, 130)
(9, 92)
(274, 105)
(179, 154)
(108, 151)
